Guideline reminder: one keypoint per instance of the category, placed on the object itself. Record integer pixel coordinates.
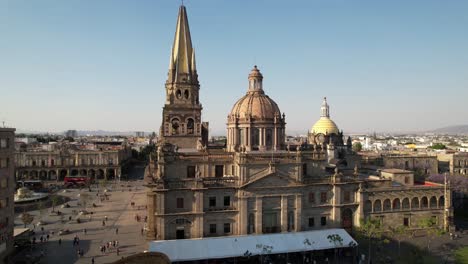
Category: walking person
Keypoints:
(142, 231)
(92, 260)
(117, 231)
(60, 241)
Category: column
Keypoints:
(260, 137)
(298, 215)
(275, 138)
(284, 213)
(243, 216)
(151, 234)
(258, 215)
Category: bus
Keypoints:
(76, 181)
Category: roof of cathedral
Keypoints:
(256, 103)
(325, 125)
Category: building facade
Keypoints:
(256, 184)
(422, 164)
(7, 189)
(63, 161)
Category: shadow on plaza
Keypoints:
(387, 250)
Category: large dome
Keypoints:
(325, 126)
(255, 103)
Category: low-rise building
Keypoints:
(7, 188)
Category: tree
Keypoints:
(357, 146)
(42, 209)
(438, 146)
(432, 230)
(337, 240)
(27, 219)
(370, 229)
(55, 200)
(398, 233)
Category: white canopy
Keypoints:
(238, 246)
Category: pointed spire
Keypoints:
(182, 62)
(325, 109)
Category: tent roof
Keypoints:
(237, 246)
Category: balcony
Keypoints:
(226, 181)
(220, 208)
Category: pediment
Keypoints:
(272, 179)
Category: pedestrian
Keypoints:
(117, 231)
(142, 231)
(103, 223)
(60, 241)
(105, 218)
(92, 260)
(47, 237)
(41, 239)
(84, 231)
(42, 228)
(117, 243)
(78, 253)
(81, 252)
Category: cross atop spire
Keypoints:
(182, 63)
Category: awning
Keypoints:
(238, 246)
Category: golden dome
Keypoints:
(325, 126)
(257, 105)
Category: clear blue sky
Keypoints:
(87, 64)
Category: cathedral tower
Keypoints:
(181, 123)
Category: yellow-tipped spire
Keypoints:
(182, 63)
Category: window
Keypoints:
(180, 202)
(34, 163)
(311, 197)
(190, 126)
(219, 170)
(406, 179)
(406, 221)
(212, 201)
(227, 228)
(347, 196)
(212, 228)
(3, 183)
(304, 169)
(111, 162)
(227, 200)
(190, 171)
(323, 220)
(43, 163)
(52, 162)
(323, 197)
(4, 143)
(311, 222)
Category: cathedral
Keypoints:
(258, 184)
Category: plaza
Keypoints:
(120, 215)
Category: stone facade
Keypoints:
(455, 163)
(257, 185)
(424, 164)
(55, 165)
(7, 189)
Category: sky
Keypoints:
(384, 66)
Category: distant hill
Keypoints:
(461, 129)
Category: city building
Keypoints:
(455, 163)
(7, 189)
(424, 164)
(98, 160)
(139, 134)
(71, 133)
(257, 184)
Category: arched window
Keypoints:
(441, 202)
(179, 94)
(377, 206)
(190, 126)
(433, 202)
(424, 202)
(186, 94)
(415, 203)
(52, 162)
(396, 204)
(268, 137)
(175, 126)
(386, 205)
(255, 136)
(405, 203)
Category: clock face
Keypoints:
(320, 138)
